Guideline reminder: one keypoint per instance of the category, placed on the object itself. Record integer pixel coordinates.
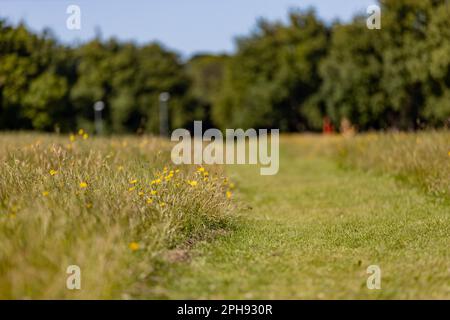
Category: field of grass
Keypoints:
(418, 159)
(117, 208)
(336, 206)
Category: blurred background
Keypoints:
(294, 65)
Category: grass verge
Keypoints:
(115, 207)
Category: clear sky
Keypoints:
(188, 26)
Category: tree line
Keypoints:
(287, 75)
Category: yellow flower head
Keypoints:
(149, 201)
(133, 181)
(156, 181)
(53, 172)
(131, 189)
(228, 194)
(162, 204)
(201, 169)
(45, 193)
(72, 138)
(134, 246)
(140, 193)
(449, 153)
(88, 205)
(85, 136)
(83, 185)
(192, 183)
(153, 192)
(81, 132)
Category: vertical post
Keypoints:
(98, 108)
(164, 114)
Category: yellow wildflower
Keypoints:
(45, 193)
(192, 183)
(153, 192)
(228, 194)
(53, 172)
(88, 205)
(231, 185)
(72, 138)
(140, 193)
(133, 181)
(85, 136)
(149, 201)
(131, 189)
(134, 246)
(201, 169)
(156, 181)
(162, 204)
(83, 185)
(81, 132)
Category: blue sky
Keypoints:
(188, 26)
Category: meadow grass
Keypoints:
(421, 158)
(115, 207)
(336, 206)
(311, 231)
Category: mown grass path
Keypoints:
(311, 233)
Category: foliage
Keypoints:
(283, 75)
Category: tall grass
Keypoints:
(421, 158)
(112, 206)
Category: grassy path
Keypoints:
(313, 230)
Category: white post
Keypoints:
(98, 108)
(164, 114)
